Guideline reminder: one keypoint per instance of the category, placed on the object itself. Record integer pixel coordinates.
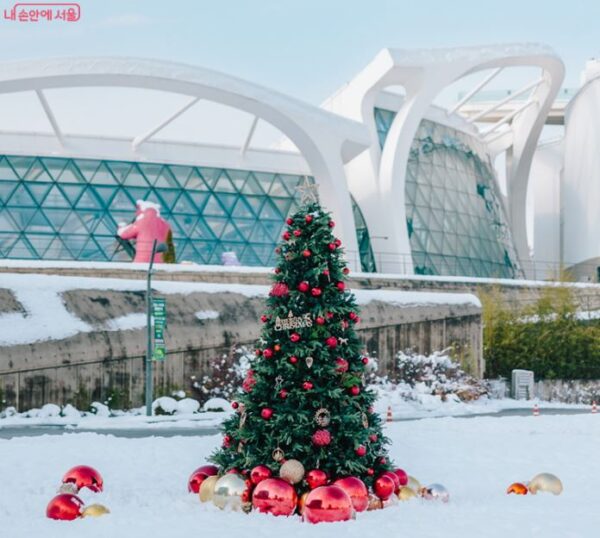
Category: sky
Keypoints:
(307, 49)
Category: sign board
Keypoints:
(159, 314)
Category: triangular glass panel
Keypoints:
(91, 251)
(168, 197)
(181, 174)
(39, 191)
(21, 197)
(255, 202)
(73, 225)
(216, 224)
(53, 165)
(150, 171)
(230, 233)
(246, 227)
(20, 165)
(273, 228)
(238, 178)
(6, 171)
(199, 199)
(204, 249)
(105, 193)
(249, 257)
(74, 243)
(122, 201)
(6, 242)
(103, 176)
(57, 217)
(278, 187)
(202, 231)
(283, 204)
(227, 200)
(259, 234)
(210, 175)
(38, 172)
(224, 184)
(56, 250)
(166, 180)
(39, 223)
(88, 200)
(213, 207)
(184, 205)
(40, 242)
(90, 219)
(195, 182)
(72, 192)
(6, 189)
(264, 179)
(112, 249)
(252, 186)
(186, 223)
(120, 170)
(21, 249)
(186, 252)
(56, 198)
(71, 174)
(270, 211)
(6, 223)
(265, 253)
(106, 226)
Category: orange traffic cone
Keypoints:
(389, 414)
(536, 410)
(594, 407)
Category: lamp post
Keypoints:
(157, 248)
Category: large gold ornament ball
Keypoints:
(546, 482)
(292, 471)
(413, 483)
(375, 503)
(228, 492)
(406, 493)
(207, 488)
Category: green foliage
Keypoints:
(547, 337)
(249, 439)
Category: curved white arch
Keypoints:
(424, 74)
(325, 140)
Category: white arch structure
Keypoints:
(424, 74)
(325, 141)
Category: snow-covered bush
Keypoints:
(99, 409)
(170, 406)
(217, 404)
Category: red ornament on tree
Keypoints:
(279, 289)
(264, 318)
(306, 253)
(286, 236)
(373, 438)
(277, 270)
(370, 472)
(308, 219)
(341, 286)
(332, 246)
(346, 271)
(283, 394)
(331, 342)
(321, 438)
(341, 365)
(327, 504)
(275, 496)
(315, 292)
(395, 480)
(199, 475)
(307, 385)
(320, 320)
(297, 233)
(352, 315)
(249, 381)
(235, 405)
(295, 337)
(289, 221)
(402, 476)
(293, 359)
(226, 441)
(65, 507)
(354, 390)
(303, 286)
(338, 242)
(357, 491)
(260, 473)
(365, 360)
(360, 450)
(383, 487)
(268, 353)
(316, 478)
(329, 315)
(84, 476)
(331, 224)
(266, 413)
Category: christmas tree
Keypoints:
(304, 396)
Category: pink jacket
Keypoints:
(148, 226)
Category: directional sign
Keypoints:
(159, 313)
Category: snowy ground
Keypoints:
(145, 484)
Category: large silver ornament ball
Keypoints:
(228, 492)
(436, 492)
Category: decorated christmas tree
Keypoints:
(304, 397)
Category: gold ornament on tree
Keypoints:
(278, 454)
(323, 417)
(365, 420)
(292, 322)
(95, 510)
(207, 488)
(292, 471)
(309, 361)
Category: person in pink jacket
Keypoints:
(147, 227)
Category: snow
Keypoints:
(215, 404)
(145, 483)
(207, 314)
(46, 317)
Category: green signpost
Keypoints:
(159, 314)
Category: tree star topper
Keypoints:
(309, 192)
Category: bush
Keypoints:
(550, 337)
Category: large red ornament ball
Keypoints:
(316, 478)
(356, 490)
(402, 476)
(331, 342)
(295, 337)
(332, 246)
(264, 318)
(289, 221)
(65, 506)
(268, 353)
(354, 390)
(293, 359)
(260, 473)
(338, 242)
(275, 496)
(315, 292)
(327, 504)
(297, 233)
(360, 450)
(306, 253)
(321, 438)
(283, 394)
(279, 289)
(84, 476)
(320, 320)
(303, 286)
(383, 487)
(307, 385)
(395, 480)
(266, 413)
(308, 219)
(341, 286)
(286, 236)
(199, 475)
(341, 365)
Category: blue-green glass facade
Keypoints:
(455, 219)
(69, 209)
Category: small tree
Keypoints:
(304, 396)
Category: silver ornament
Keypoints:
(436, 492)
(228, 492)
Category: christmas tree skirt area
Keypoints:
(476, 459)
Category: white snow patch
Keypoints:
(127, 322)
(207, 314)
(216, 404)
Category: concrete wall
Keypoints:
(104, 363)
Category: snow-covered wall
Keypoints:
(64, 338)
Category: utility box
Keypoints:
(522, 385)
